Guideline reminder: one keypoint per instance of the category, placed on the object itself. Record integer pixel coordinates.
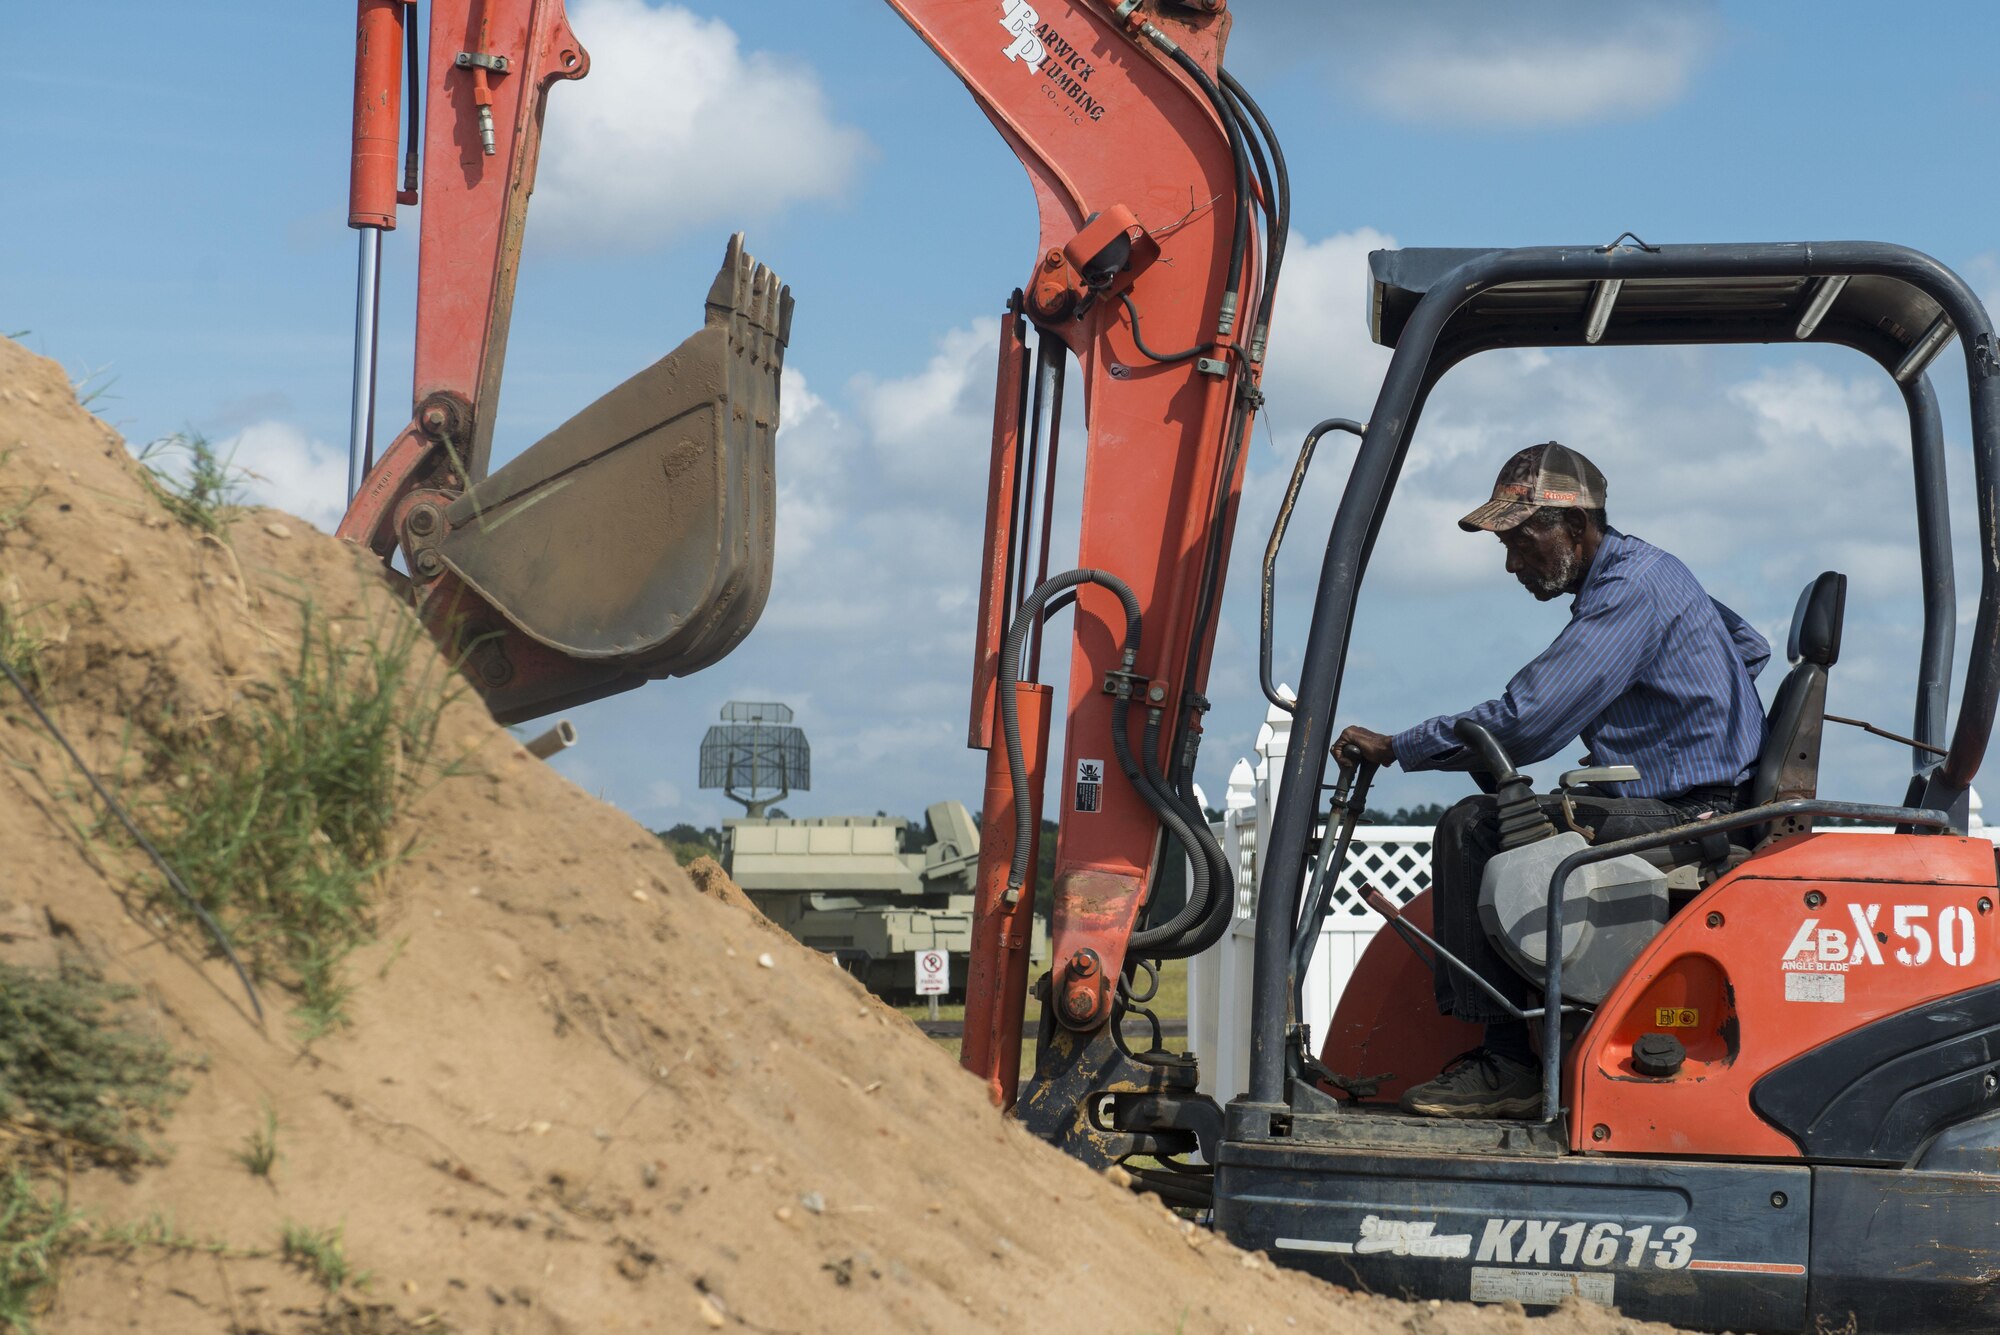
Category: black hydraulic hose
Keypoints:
(1281, 229)
(1254, 314)
(1164, 358)
(1278, 527)
(1167, 806)
(1210, 931)
(1222, 876)
(1010, 708)
(1211, 574)
(1239, 243)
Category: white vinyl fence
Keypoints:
(1395, 858)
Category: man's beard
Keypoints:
(1558, 581)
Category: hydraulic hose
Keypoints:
(1281, 227)
(1167, 806)
(1222, 906)
(1010, 708)
(1164, 358)
(1254, 315)
(1208, 929)
(1239, 243)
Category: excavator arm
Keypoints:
(1161, 233)
(632, 542)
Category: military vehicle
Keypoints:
(871, 891)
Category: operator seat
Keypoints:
(1788, 766)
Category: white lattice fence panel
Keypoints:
(1395, 859)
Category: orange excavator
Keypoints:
(1771, 1094)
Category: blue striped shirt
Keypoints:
(1650, 672)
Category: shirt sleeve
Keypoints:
(1751, 647)
(1550, 701)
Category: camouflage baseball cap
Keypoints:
(1548, 474)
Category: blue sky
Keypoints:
(176, 184)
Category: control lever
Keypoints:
(1343, 813)
(1521, 818)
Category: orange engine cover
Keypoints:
(1817, 936)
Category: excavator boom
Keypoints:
(1146, 276)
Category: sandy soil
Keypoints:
(583, 1092)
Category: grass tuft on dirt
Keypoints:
(196, 485)
(77, 1081)
(36, 1231)
(282, 816)
(259, 1153)
(22, 648)
(74, 1075)
(321, 1253)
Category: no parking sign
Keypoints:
(933, 973)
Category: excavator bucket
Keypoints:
(637, 536)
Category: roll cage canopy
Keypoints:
(1436, 307)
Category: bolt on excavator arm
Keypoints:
(634, 541)
(1141, 176)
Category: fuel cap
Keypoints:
(1658, 1054)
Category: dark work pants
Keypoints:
(1469, 836)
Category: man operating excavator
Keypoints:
(1649, 672)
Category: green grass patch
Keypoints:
(322, 1254)
(282, 817)
(159, 1232)
(22, 647)
(77, 1081)
(73, 1074)
(196, 485)
(37, 1229)
(260, 1148)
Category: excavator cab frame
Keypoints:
(1819, 1163)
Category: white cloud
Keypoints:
(1533, 63)
(929, 424)
(1322, 361)
(1603, 76)
(676, 127)
(285, 468)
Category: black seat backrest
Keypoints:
(1788, 766)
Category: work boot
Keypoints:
(1479, 1083)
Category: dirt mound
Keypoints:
(579, 1093)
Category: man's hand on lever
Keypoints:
(1373, 746)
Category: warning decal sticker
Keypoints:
(1089, 785)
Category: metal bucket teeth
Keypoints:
(638, 534)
